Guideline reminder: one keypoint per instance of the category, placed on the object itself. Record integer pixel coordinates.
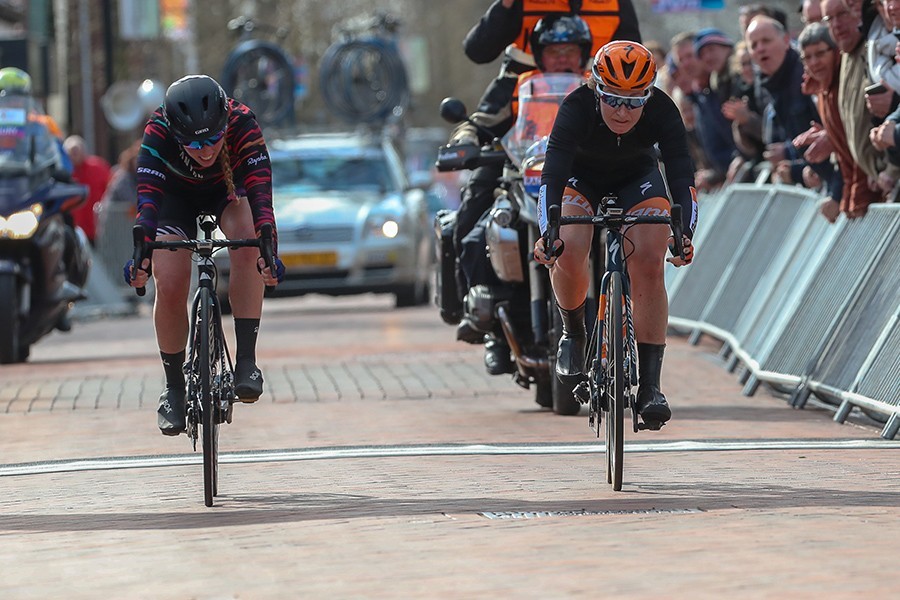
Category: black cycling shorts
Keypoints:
(646, 194)
(178, 214)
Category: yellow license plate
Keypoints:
(310, 259)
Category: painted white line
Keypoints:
(357, 452)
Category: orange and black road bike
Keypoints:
(611, 355)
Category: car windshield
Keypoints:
(332, 172)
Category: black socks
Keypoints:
(173, 365)
(650, 359)
(245, 332)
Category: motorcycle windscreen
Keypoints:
(540, 95)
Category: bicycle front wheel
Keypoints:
(209, 425)
(615, 380)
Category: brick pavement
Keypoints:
(748, 524)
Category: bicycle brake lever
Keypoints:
(140, 251)
(267, 250)
(552, 233)
(677, 247)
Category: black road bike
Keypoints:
(209, 371)
(611, 356)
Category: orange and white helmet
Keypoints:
(625, 66)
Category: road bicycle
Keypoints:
(611, 356)
(209, 371)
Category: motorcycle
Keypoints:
(522, 306)
(44, 261)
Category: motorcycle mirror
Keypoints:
(453, 110)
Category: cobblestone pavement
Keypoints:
(752, 523)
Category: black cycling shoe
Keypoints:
(570, 359)
(652, 405)
(496, 358)
(170, 414)
(248, 381)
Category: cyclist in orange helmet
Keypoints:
(608, 139)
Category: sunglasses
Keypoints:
(615, 101)
(210, 141)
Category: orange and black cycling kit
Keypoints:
(583, 154)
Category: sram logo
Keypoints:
(152, 172)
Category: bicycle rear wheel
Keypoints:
(615, 381)
(209, 425)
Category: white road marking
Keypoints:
(291, 455)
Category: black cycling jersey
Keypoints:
(583, 147)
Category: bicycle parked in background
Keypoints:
(209, 370)
(260, 73)
(362, 75)
(611, 356)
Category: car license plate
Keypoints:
(310, 259)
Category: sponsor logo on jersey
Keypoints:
(152, 172)
(255, 160)
(649, 211)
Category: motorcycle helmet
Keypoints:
(196, 108)
(15, 81)
(561, 29)
(624, 66)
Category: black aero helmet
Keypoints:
(561, 29)
(196, 108)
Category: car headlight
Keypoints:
(21, 225)
(387, 228)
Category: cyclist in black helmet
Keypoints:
(203, 152)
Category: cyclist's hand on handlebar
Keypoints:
(688, 252)
(136, 278)
(541, 255)
(269, 278)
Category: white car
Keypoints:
(348, 220)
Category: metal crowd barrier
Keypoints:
(802, 305)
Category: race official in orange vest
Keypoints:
(512, 21)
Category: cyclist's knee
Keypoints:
(646, 270)
(244, 258)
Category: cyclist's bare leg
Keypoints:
(246, 295)
(246, 286)
(172, 280)
(650, 309)
(646, 264)
(570, 276)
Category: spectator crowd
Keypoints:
(821, 110)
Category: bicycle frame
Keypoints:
(210, 381)
(610, 362)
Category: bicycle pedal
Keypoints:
(651, 425)
(582, 392)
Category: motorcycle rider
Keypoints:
(16, 82)
(203, 152)
(511, 22)
(603, 141)
(561, 44)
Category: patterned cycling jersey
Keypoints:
(165, 172)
